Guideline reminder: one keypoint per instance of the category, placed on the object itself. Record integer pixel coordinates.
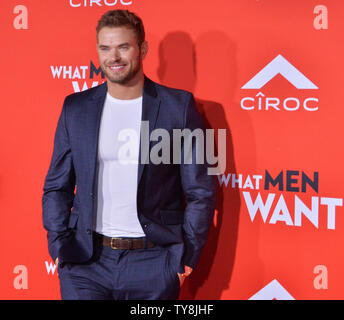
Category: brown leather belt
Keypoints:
(125, 243)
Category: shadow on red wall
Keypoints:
(178, 68)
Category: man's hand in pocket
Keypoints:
(182, 276)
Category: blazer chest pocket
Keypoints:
(73, 219)
(172, 216)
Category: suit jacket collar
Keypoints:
(148, 89)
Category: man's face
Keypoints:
(119, 54)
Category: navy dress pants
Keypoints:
(144, 274)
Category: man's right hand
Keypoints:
(56, 261)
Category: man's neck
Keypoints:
(131, 90)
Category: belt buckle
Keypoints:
(112, 243)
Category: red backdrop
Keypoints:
(285, 233)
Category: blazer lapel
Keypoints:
(150, 110)
(94, 110)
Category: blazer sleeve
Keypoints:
(59, 186)
(199, 190)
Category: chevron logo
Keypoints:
(281, 66)
(272, 291)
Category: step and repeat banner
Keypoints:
(269, 72)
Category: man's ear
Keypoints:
(144, 49)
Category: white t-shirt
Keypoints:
(118, 151)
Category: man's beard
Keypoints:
(125, 78)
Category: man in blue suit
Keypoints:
(121, 226)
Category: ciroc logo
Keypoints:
(99, 3)
(261, 102)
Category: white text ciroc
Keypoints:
(260, 102)
(100, 3)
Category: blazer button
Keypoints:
(88, 231)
